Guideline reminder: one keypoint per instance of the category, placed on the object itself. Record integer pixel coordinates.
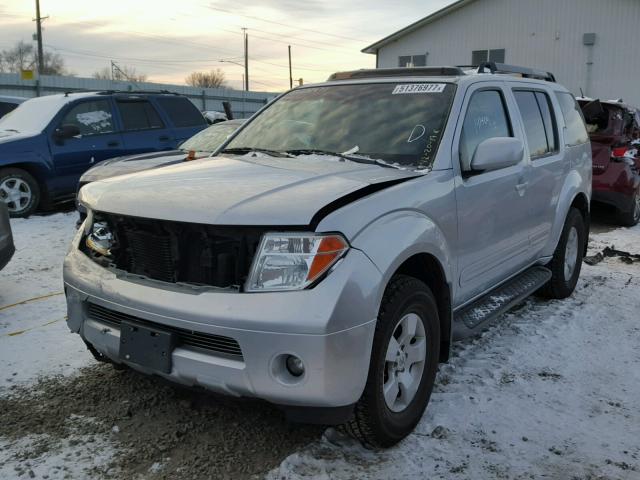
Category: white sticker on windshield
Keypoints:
(419, 88)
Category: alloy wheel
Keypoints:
(15, 193)
(404, 362)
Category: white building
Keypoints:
(593, 45)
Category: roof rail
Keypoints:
(137, 92)
(398, 72)
(525, 72)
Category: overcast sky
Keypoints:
(167, 39)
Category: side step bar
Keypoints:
(471, 318)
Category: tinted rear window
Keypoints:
(182, 112)
(138, 115)
(576, 132)
(6, 108)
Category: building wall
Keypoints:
(544, 34)
(243, 104)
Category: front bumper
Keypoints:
(330, 327)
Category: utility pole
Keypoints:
(290, 71)
(39, 33)
(246, 60)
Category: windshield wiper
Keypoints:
(245, 150)
(351, 158)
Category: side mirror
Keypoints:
(498, 152)
(66, 131)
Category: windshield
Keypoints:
(397, 123)
(33, 115)
(210, 138)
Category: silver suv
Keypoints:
(330, 252)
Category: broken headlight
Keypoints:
(100, 239)
(293, 261)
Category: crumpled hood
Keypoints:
(131, 164)
(233, 190)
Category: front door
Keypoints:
(493, 226)
(98, 140)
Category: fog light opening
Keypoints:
(295, 366)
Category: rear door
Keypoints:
(143, 129)
(185, 119)
(98, 140)
(493, 210)
(548, 167)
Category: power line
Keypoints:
(284, 24)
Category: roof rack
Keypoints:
(137, 92)
(525, 72)
(398, 72)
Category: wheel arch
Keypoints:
(426, 268)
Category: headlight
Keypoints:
(293, 261)
(100, 238)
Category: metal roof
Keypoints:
(373, 48)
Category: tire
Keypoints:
(571, 246)
(632, 216)
(20, 191)
(375, 422)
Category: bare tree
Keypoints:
(24, 57)
(212, 79)
(121, 73)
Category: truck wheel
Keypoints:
(404, 362)
(631, 217)
(20, 191)
(566, 263)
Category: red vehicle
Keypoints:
(614, 129)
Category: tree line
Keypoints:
(24, 56)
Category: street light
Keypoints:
(240, 65)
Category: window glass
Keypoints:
(138, 115)
(412, 61)
(479, 56)
(91, 118)
(497, 55)
(486, 118)
(181, 111)
(355, 118)
(551, 130)
(533, 123)
(6, 108)
(209, 139)
(576, 132)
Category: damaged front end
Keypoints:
(172, 252)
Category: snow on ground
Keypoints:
(551, 391)
(34, 338)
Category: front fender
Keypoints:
(398, 236)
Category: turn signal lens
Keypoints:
(293, 261)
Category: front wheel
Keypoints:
(403, 367)
(566, 263)
(19, 191)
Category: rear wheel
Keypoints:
(566, 263)
(19, 191)
(632, 216)
(404, 362)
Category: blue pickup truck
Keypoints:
(47, 143)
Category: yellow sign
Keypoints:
(26, 74)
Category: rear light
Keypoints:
(619, 152)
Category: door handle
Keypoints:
(113, 144)
(164, 138)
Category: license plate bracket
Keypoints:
(146, 346)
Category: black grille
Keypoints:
(188, 338)
(180, 252)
